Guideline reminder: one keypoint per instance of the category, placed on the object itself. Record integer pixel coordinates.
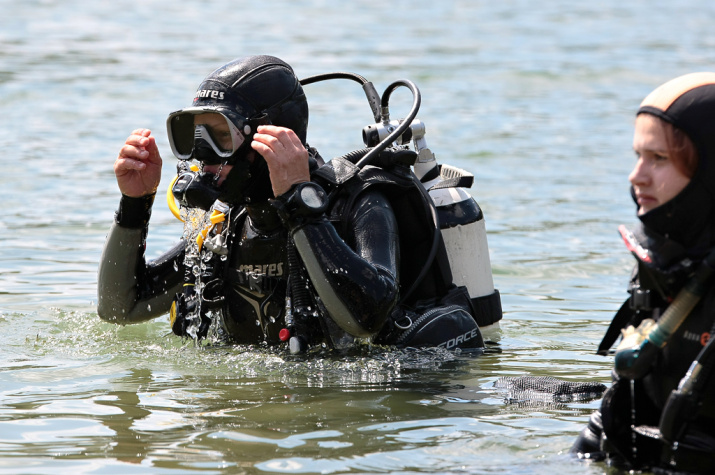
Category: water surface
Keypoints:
(536, 101)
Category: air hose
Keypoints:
(379, 106)
(372, 97)
(385, 115)
(633, 362)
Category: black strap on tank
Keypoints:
(620, 320)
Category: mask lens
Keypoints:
(200, 133)
(223, 137)
(181, 135)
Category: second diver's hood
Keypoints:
(688, 102)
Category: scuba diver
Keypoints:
(659, 413)
(282, 248)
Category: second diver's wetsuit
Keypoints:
(648, 422)
(610, 433)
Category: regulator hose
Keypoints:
(379, 106)
(370, 92)
(385, 116)
(171, 201)
(634, 362)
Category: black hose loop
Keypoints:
(417, 100)
(336, 75)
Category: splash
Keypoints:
(205, 252)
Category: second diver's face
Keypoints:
(655, 178)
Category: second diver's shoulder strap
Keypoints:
(620, 320)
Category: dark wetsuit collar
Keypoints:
(687, 220)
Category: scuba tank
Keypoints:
(461, 221)
(464, 233)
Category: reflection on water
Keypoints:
(84, 389)
(536, 101)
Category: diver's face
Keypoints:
(221, 171)
(218, 128)
(655, 178)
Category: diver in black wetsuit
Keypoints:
(277, 258)
(658, 414)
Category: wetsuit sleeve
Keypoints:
(129, 289)
(357, 283)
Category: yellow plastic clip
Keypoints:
(217, 217)
(172, 313)
(202, 235)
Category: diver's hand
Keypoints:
(285, 155)
(138, 166)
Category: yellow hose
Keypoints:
(171, 201)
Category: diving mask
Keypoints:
(210, 135)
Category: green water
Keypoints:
(537, 100)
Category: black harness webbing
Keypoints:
(620, 320)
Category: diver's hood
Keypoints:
(254, 85)
(688, 102)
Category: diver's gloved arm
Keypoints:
(130, 290)
(358, 284)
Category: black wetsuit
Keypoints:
(609, 435)
(358, 281)
(671, 242)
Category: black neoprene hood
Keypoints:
(688, 102)
(253, 85)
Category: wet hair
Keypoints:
(681, 149)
